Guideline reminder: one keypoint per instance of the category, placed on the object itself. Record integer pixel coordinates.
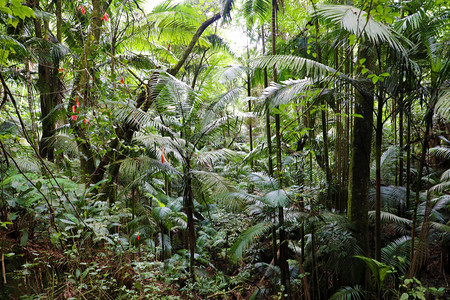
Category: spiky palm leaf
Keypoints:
(247, 239)
(443, 105)
(397, 253)
(276, 198)
(390, 218)
(235, 201)
(349, 293)
(209, 158)
(213, 183)
(388, 163)
(359, 23)
(441, 151)
(294, 63)
(258, 8)
(286, 91)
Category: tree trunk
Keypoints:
(378, 142)
(188, 206)
(360, 160)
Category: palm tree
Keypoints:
(187, 125)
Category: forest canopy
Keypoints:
(225, 149)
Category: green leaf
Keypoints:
(404, 296)
(246, 239)
(375, 79)
(39, 185)
(24, 239)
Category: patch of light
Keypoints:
(234, 35)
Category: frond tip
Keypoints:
(247, 239)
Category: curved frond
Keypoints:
(263, 181)
(235, 200)
(247, 239)
(441, 151)
(294, 63)
(442, 107)
(286, 91)
(387, 217)
(349, 293)
(277, 198)
(397, 252)
(359, 23)
(213, 183)
(27, 164)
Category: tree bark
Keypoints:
(357, 211)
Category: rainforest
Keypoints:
(225, 149)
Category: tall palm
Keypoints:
(188, 124)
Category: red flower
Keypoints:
(121, 80)
(61, 70)
(162, 155)
(73, 108)
(138, 237)
(78, 104)
(73, 118)
(105, 17)
(83, 10)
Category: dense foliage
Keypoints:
(144, 155)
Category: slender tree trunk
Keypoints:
(378, 143)
(189, 210)
(408, 159)
(284, 268)
(31, 104)
(250, 124)
(360, 160)
(417, 261)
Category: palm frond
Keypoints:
(213, 183)
(387, 217)
(139, 166)
(63, 142)
(247, 239)
(235, 201)
(263, 181)
(27, 164)
(396, 253)
(259, 8)
(286, 91)
(294, 63)
(442, 107)
(277, 198)
(442, 186)
(209, 158)
(232, 73)
(174, 146)
(359, 23)
(392, 197)
(441, 151)
(349, 293)
(388, 162)
(440, 227)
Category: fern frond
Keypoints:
(442, 107)
(441, 151)
(247, 239)
(349, 293)
(294, 63)
(359, 23)
(286, 91)
(213, 182)
(387, 217)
